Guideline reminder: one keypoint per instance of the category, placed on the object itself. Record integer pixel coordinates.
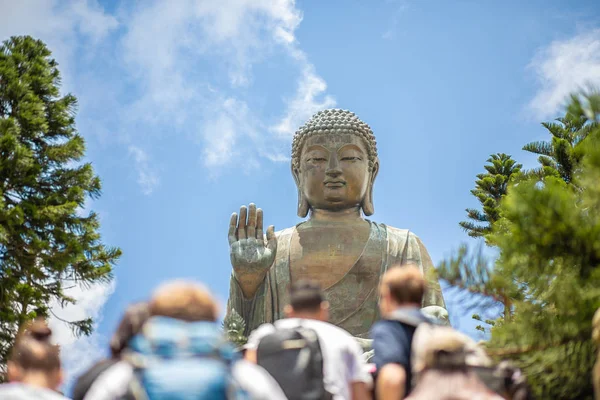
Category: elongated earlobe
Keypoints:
(303, 205)
(367, 204)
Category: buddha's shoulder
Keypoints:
(394, 233)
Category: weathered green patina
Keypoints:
(334, 164)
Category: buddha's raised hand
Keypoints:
(251, 256)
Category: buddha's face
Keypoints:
(334, 171)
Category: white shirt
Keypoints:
(20, 391)
(114, 382)
(343, 362)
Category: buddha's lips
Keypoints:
(334, 184)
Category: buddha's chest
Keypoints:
(326, 254)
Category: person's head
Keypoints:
(307, 301)
(34, 359)
(442, 363)
(134, 318)
(334, 163)
(402, 285)
(186, 301)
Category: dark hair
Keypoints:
(33, 350)
(405, 283)
(306, 295)
(135, 316)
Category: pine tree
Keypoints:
(549, 263)
(490, 187)
(560, 156)
(46, 246)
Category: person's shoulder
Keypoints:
(384, 325)
(20, 391)
(328, 329)
(259, 333)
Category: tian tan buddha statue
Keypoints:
(334, 164)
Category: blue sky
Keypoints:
(188, 108)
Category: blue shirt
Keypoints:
(392, 341)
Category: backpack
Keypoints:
(85, 381)
(175, 360)
(294, 359)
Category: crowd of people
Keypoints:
(173, 347)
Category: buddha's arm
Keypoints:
(433, 301)
(433, 296)
(252, 310)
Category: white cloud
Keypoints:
(63, 26)
(399, 7)
(165, 43)
(147, 176)
(309, 98)
(563, 67)
(78, 354)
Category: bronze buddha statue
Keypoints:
(334, 164)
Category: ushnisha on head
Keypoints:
(335, 131)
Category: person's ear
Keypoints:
(303, 205)
(367, 204)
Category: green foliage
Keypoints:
(46, 246)
(560, 156)
(490, 187)
(234, 327)
(549, 260)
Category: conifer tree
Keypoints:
(490, 187)
(549, 264)
(46, 245)
(560, 156)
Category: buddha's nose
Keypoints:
(333, 167)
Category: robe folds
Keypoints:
(354, 298)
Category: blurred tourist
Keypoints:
(34, 369)
(401, 292)
(180, 353)
(445, 366)
(309, 357)
(135, 316)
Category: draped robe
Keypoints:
(354, 298)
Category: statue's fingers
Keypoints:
(242, 223)
(271, 239)
(251, 227)
(232, 227)
(259, 225)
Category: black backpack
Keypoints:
(294, 358)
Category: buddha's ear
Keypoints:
(303, 205)
(367, 205)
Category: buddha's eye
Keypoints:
(317, 159)
(351, 158)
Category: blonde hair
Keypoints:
(437, 345)
(186, 301)
(405, 284)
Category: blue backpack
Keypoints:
(178, 360)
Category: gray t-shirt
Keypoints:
(343, 361)
(19, 391)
